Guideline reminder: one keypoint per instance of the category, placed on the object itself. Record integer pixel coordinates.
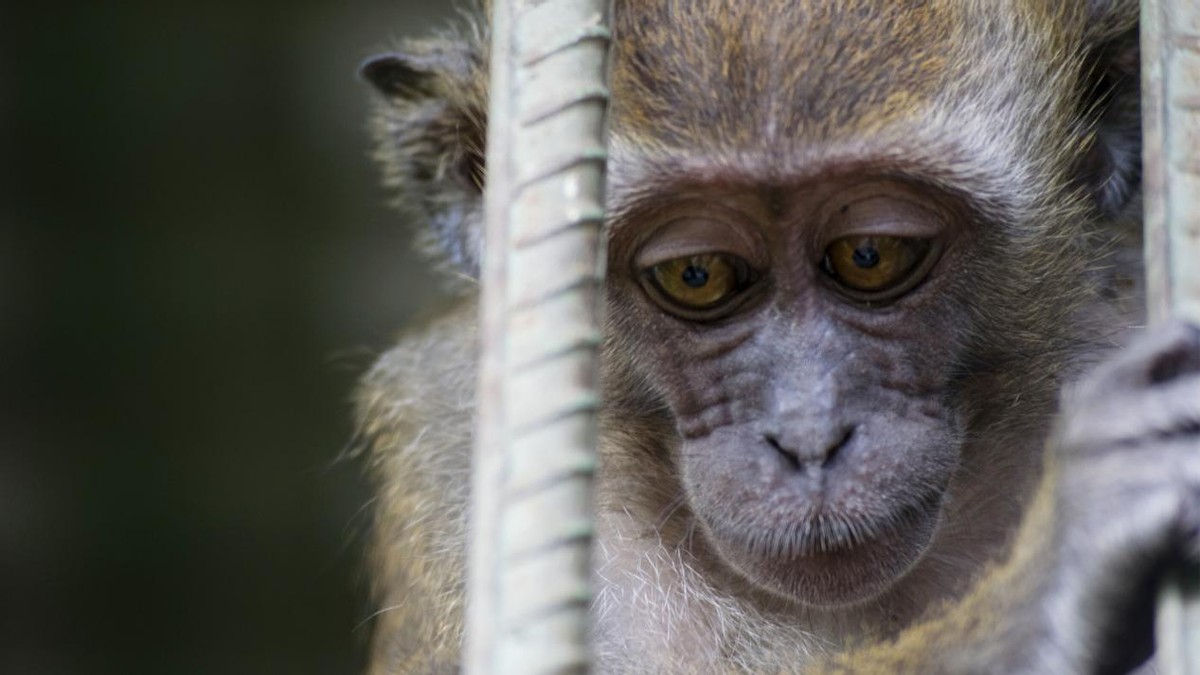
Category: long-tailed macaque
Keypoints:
(856, 250)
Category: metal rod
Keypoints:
(528, 588)
(1170, 35)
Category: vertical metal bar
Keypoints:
(1171, 119)
(488, 453)
(1170, 34)
(541, 330)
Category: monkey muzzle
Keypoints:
(834, 535)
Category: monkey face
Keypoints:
(801, 337)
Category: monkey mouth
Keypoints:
(832, 558)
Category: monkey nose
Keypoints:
(810, 452)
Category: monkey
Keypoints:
(873, 397)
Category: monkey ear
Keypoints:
(429, 129)
(1112, 167)
(395, 74)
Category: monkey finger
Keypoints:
(1171, 410)
(1157, 356)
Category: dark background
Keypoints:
(196, 262)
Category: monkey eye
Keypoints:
(700, 283)
(875, 264)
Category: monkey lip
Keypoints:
(831, 558)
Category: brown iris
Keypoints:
(700, 281)
(871, 264)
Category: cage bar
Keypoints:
(528, 586)
(1170, 35)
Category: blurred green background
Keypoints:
(196, 263)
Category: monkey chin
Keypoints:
(831, 560)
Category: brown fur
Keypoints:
(992, 102)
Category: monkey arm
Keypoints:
(1118, 504)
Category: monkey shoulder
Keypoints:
(415, 408)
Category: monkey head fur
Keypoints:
(855, 249)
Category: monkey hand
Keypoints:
(1125, 475)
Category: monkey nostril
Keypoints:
(788, 455)
(816, 456)
(833, 450)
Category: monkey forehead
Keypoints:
(761, 84)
